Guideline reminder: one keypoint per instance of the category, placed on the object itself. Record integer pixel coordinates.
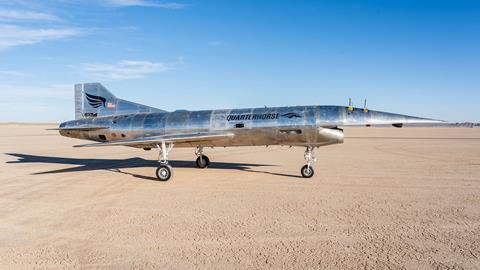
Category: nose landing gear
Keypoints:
(307, 170)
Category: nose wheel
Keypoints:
(307, 170)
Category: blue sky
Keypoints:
(414, 57)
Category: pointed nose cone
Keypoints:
(379, 118)
(361, 117)
(420, 120)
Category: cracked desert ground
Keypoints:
(385, 199)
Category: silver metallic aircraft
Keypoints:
(110, 121)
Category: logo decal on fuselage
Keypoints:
(252, 116)
(95, 101)
(260, 116)
(291, 115)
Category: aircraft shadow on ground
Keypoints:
(116, 165)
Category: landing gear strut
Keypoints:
(307, 170)
(202, 160)
(164, 171)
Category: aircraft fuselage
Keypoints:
(298, 126)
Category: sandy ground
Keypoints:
(386, 198)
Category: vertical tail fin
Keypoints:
(94, 100)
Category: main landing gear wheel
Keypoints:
(307, 171)
(202, 162)
(164, 172)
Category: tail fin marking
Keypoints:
(94, 100)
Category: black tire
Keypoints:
(164, 172)
(307, 171)
(202, 162)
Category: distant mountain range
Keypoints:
(459, 125)
(466, 124)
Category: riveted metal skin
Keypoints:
(293, 126)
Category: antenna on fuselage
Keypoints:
(365, 109)
(350, 105)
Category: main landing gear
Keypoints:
(307, 170)
(164, 171)
(202, 160)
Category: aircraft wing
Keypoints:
(170, 138)
(80, 128)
